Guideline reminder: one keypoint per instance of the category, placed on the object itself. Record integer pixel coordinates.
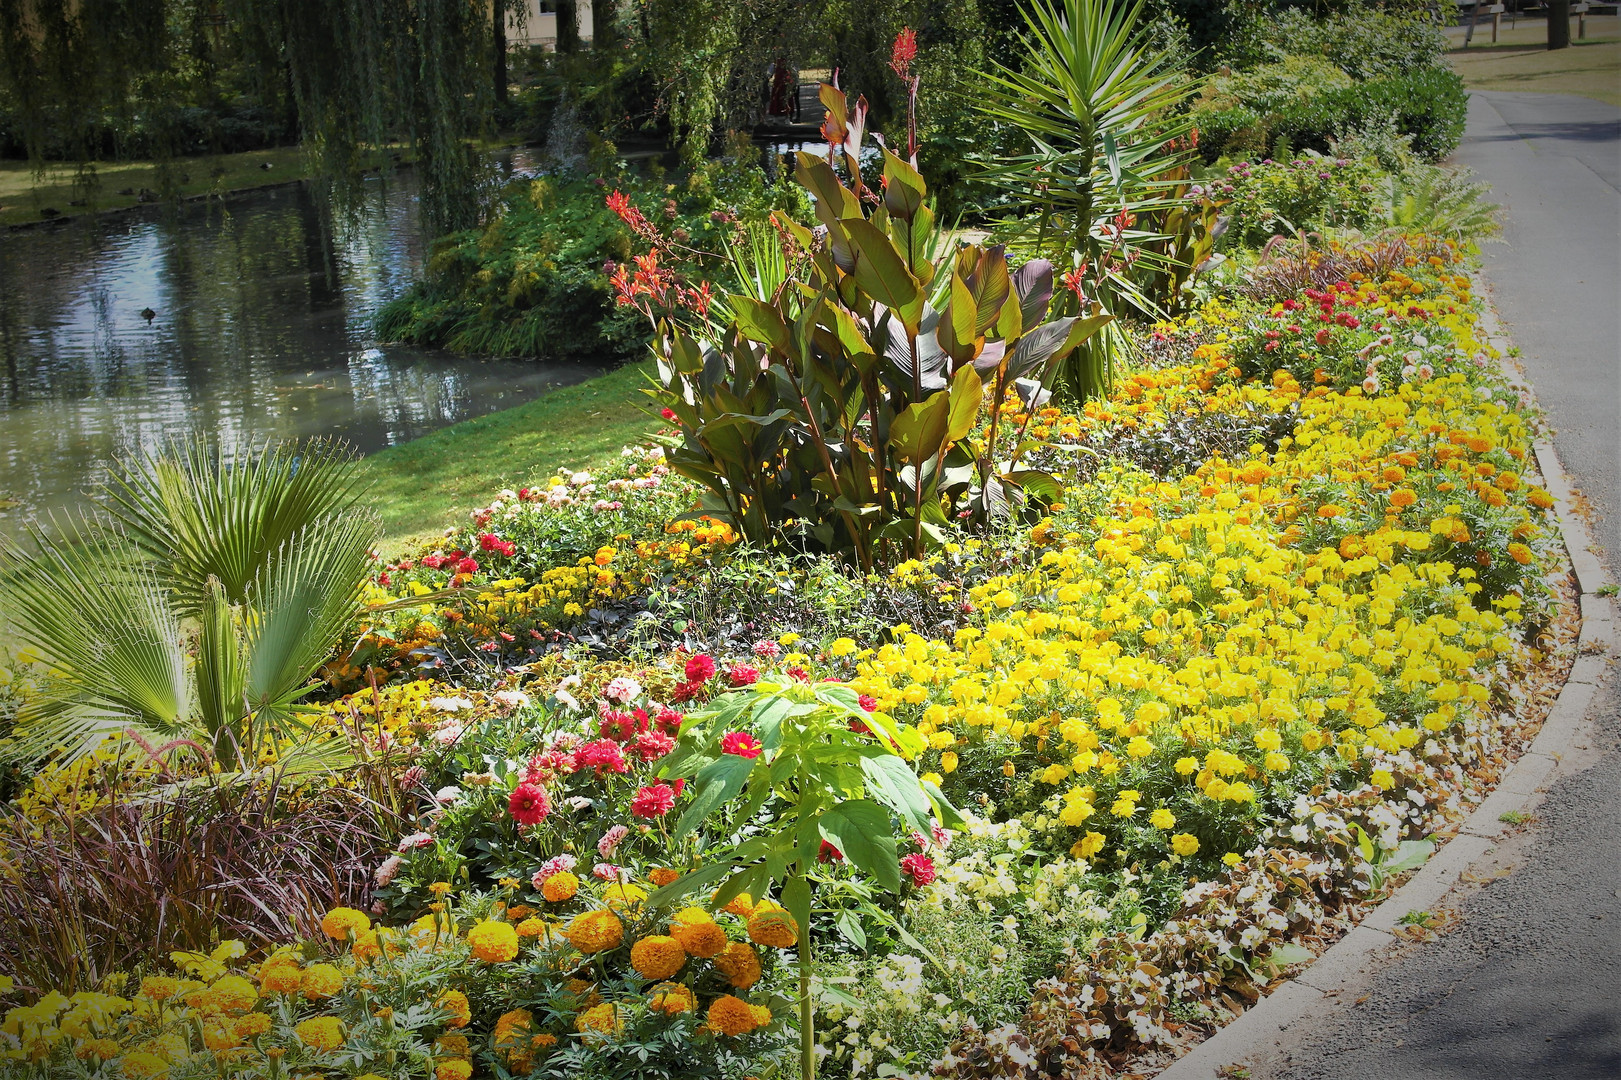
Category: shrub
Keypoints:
(1427, 105)
(1309, 194)
(1365, 42)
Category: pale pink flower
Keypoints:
(610, 841)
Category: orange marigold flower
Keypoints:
(455, 1003)
(661, 876)
(1520, 554)
(1402, 498)
(342, 922)
(595, 931)
(454, 1069)
(742, 905)
(280, 975)
(599, 1020)
(730, 1016)
(672, 998)
(657, 957)
(698, 934)
(532, 928)
(320, 981)
(773, 926)
(1329, 510)
(740, 964)
(560, 886)
(251, 1026)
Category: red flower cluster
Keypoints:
(528, 804)
(652, 745)
(740, 743)
(653, 801)
(919, 868)
(621, 726)
(492, 542)
(603, 755)
(903, 52)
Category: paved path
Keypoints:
(1527, 985)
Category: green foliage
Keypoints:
(1366, 41)
(534, 282)
(204, 615)
(1445, 202)
(838, 411)
(1427, 104)
(1308, 195)
(1104, 149)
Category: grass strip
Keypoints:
(418, 485)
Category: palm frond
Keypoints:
(198, 517)
(112, 644)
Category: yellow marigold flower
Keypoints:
(143, 1065)
(672, 999)
(1008, 768)
(697, 932)
(762, 1015)
(948, 762)
(1184, 843)
(217, 1037)
(560, 886)
(773, 926)
(599, 1019)
(657, 957)
(1382, 779)
(280, 975)
(1276, 762)
(493, 942)
(661, 876)
(840, 647)
(1267, 739)
(99, 1049)
(621, 896)
(1232, 858)
(1139, 747)
(511, 1033)
(1162, 818)
(251, 1026)
(1088, 845)
(232, 995)
(730, 1016)
(452, 1046)
(342, 922)
(320, 981)
(595, 931)
(532, 928)
(320, 1032)
(159, 987)
(739, 963)
(454, 1069)
(455, 1003)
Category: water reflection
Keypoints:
(260, 329)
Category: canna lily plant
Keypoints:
(851, 397)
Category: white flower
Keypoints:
(580, 478)
(447, 795)
(512, 699)
(622, 689)
(449, 704)
(446, 734)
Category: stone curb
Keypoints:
(1518, 791)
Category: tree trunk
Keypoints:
(498, 30)
(1558, 24)
(568, 26)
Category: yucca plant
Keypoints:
(1098, 187)
(200, 609)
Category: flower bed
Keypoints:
(1197, 711)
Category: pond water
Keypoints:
(260, 329)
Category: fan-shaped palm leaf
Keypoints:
(198, 517)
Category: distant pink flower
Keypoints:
(767, 650)
(555, 865)
(609, 872)
(416, 840)
(622, 689)
(389, 870)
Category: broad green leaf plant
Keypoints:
(852, 399)
(199, 609)
(796, 766)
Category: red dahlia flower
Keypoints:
(743, 675)
(528, 804)
(740, 743)
(920, 868)
(653, 801)
(700, 668)
(604, 756)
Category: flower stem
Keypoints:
(807, 1031)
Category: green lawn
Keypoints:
(1520, 60)
(421, 486)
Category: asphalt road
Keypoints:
(1527, 984)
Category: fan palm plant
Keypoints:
(1107, 149)
(200, 610)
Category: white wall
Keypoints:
(540, 27)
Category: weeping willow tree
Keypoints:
(356, 75)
